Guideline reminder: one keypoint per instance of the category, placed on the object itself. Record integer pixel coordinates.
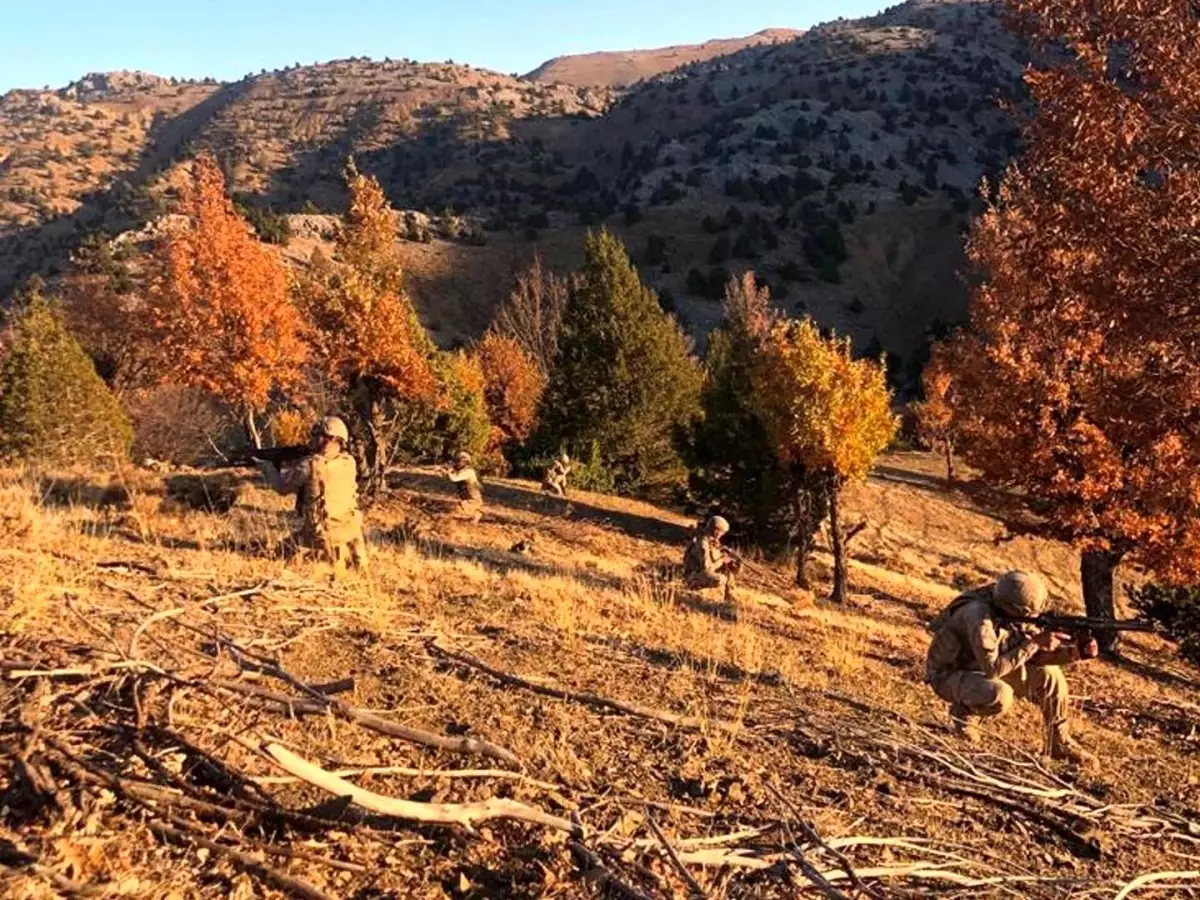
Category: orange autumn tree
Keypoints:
(825, 411)
(513, 388)
(365, 332)
(217, 315)
(935, 413)
(1078, 381)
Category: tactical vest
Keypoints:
(331, 497)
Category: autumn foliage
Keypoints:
(513, 388)
(935, 413)
(1078, 381)
(823, 410)
(217, 314)
(366, 335)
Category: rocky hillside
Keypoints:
(625, 67)
(841, 165)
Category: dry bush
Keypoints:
(19, 517)
(179, 425)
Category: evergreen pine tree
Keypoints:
(625, 377)
(54, 407)
(733, 467)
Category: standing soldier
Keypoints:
(705, 562)
(470, 492)
(978, 661)
(555, 480)
(326, 487)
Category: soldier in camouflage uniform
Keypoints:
(470, 492)
(979, 662)
(705, 563)
(326, 487)
(555, 480)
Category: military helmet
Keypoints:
(564, 458)
(332, 426)
(718, 525)
(463, 459)
(1021, 593)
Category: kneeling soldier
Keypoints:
(705, 563)
(470, 492)
(979, 661)
(326, 486)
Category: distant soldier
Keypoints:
(326, 487)
(555, 480)
(705, 563)
(470, 492)
(979, 661)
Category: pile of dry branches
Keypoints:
(168, 716)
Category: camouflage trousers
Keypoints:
(469, 511)
(700, 581)
(341, 546)
(978, 695)
(555, 488)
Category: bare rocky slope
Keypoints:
(841, 166)
(621, 68)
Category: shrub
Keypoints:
(54, 408)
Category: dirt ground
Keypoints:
(170, 677)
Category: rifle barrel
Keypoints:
(1090, 623)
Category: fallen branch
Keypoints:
(464, 814)
(1153, 878)
(692, 883)
(594, 866)
(322, 702)
(504, 774)
(634, 709)
(294, 886)
(26, 861)
(814, 836)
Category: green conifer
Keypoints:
(54, 408)
(624, 378)
(733, 467)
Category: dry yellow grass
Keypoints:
(591, 608)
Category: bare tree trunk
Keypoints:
(838, 540)
(948, 446)
(805, 532)
(371, 452)
(1097, 568)
(252, 432)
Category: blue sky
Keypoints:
(52, 43)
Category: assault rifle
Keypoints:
(1084, 628)
(1077, 624)
(277, 456)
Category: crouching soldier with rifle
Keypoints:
(706, 564)
(324, 480)
(994, 644)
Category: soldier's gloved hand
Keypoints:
(1048, 641)
(1087, 648)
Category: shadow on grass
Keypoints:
(515, 498)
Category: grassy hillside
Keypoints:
(139, 639)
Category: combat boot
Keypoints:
(1060, 745)
(965, 724)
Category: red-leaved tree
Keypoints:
(217, 315)
(1078, 380)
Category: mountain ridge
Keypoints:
(622, 68)
(841, 166)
